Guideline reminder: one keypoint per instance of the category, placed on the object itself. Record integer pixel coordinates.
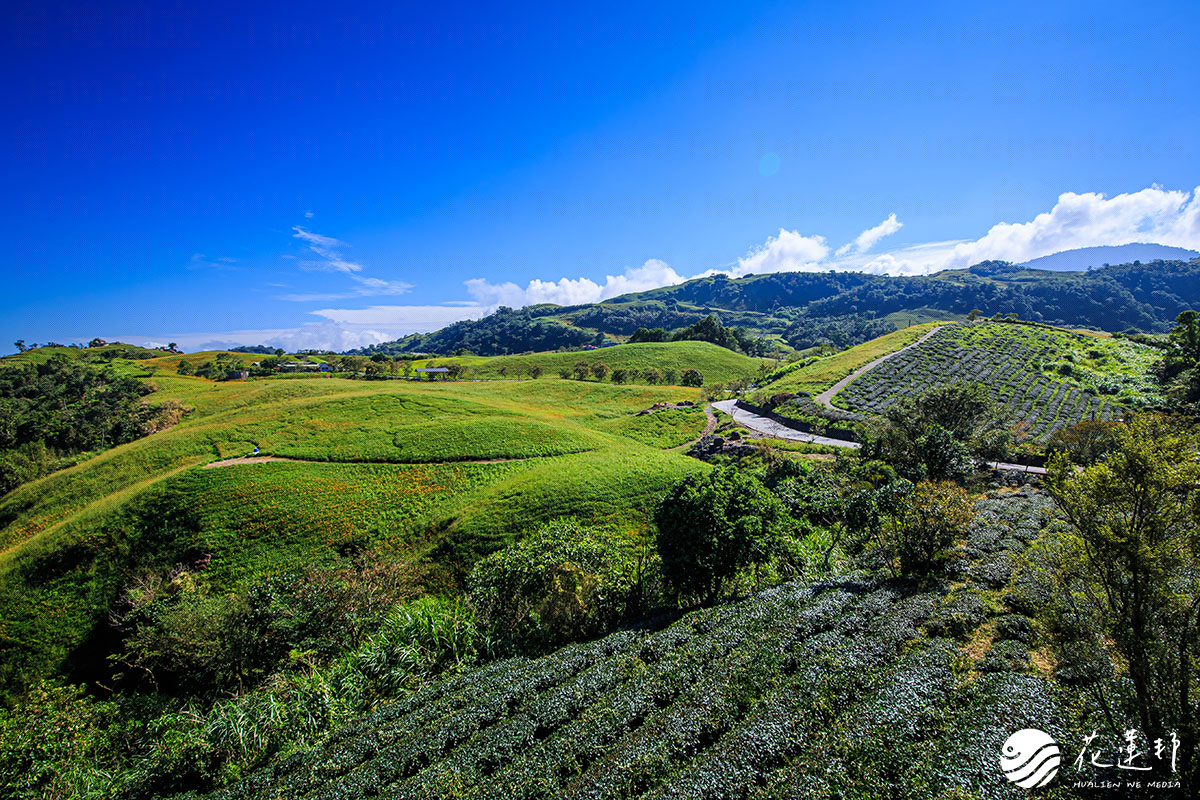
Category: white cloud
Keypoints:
(567, 291)
(329, 259)
(868, 238)
(201, 261)
(340, 329)
(787, 252)
(408, 319)
(1152, 215)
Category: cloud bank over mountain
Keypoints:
(1152, 215)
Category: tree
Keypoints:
(1129, 570)
(691, 377)
(711, 527)
(927, 522)
(1086, 442)
(561, 582)
(620, 375)
(535, 371)
(649, 335)
(652, 376)
(581, 370)
(670, 376)
(600, 370)
(974, 315)
(935, 435)
(185, 368)
(97, 342)
(20, 345)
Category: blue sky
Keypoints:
(333, 174)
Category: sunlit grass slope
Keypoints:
(717, 364)
(441, 472)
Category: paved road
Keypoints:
(772, 428)
(826, 396)
(1005, 466)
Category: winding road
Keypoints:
(770, 427)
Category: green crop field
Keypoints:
(1044, 378)
(825, 372)
(834, 689)
(717, 364)
(381, 465)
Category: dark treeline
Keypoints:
(61, 407)
(502, 333)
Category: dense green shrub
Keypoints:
(712, 526)
(562, 582)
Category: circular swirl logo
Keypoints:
(1030, 758)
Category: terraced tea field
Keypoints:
(851, 688)
(1043, 378)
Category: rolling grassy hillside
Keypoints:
(1044, 378)
(717, 364)
(393, 466)
(854, 687)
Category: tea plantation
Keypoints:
(851, 687)
(1043, 378)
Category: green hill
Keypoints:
(381, 466)
(716, 364)
(802, 309)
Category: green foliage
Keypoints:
(935, 434)
(60, 407)
(691, 377)
(180, 636)
(710, 329)
(927, 522)
(1129, 567)
(712, 527)
(1087, 442)
(562, 582)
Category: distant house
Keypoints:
(299, 366)
(323, 367)
(590, 347)
(433, 372)
(610, 344)
(237, 374)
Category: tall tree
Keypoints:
(1129, 567)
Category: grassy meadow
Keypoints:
(717, 364)
(437, 472)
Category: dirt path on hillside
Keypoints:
(826, 396)
(710, 425)
(233, 462)
(237, 462)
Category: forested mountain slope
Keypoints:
(805, 308)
